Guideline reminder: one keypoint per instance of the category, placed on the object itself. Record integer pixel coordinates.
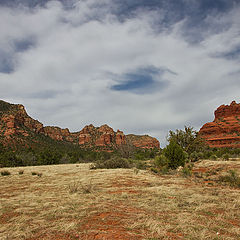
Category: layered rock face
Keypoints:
(143, 141)
(224, 131)
(16, 121)
(105, 136)
(101, 136)
(57, 133)
(16, 124)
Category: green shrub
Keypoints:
(34, 173)
(200, 155)
(161, 160)
(175, 155)
(190, 166)
(213, 157)
(186, 172)
(188, 139)
(186, 155)
(9, 159)
(20, 172)
(232, 179)
(164, 170)
(153, 169)
(140, 165)
(48, 157)
(225, 156)
(194, 157)
(5, 173)
(139, 156)
(115, 162)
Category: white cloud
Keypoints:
(63, 78)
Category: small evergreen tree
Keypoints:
(188, 139)
(161, 161)
(175, 155)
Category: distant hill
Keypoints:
(18, 130)
(224, 131)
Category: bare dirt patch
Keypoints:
(111, 224)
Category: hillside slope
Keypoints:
(17, 128)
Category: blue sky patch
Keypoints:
(7, 58)
(6, 62)
(23, 45)
(141, 81)
(235, 54)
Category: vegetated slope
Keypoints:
(224, 131)
(73, 202)
(17, 129)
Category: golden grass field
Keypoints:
(73, 202)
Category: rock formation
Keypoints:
(14, 120)
(143, 141)
(105, 136)
(224, 131)
(57, 133)
(15, 124)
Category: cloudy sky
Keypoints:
(142, 66)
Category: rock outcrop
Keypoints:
(57, 133)
(15, 124)
(105, 136)
(224, 131)
(143, 141)
(15, 120)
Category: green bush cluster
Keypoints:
(188, 139)
(65, 153)
(115, 162)
(213, 157)
(231, 178)
(225, 156)
(221, 153)
(5, 173)
(185, 146)
(172, 157)
(175, 154)
(195, 156)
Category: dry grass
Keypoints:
(70, 202)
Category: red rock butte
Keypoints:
(17, 126)
(224, 131)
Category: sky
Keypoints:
(141, 66)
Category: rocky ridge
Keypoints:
(16, 126)
(224, 131)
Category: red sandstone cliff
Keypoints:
(143, 141)
(105, 136)
(16, 125)
(100, 136)
(15, 121)
(224, 131)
